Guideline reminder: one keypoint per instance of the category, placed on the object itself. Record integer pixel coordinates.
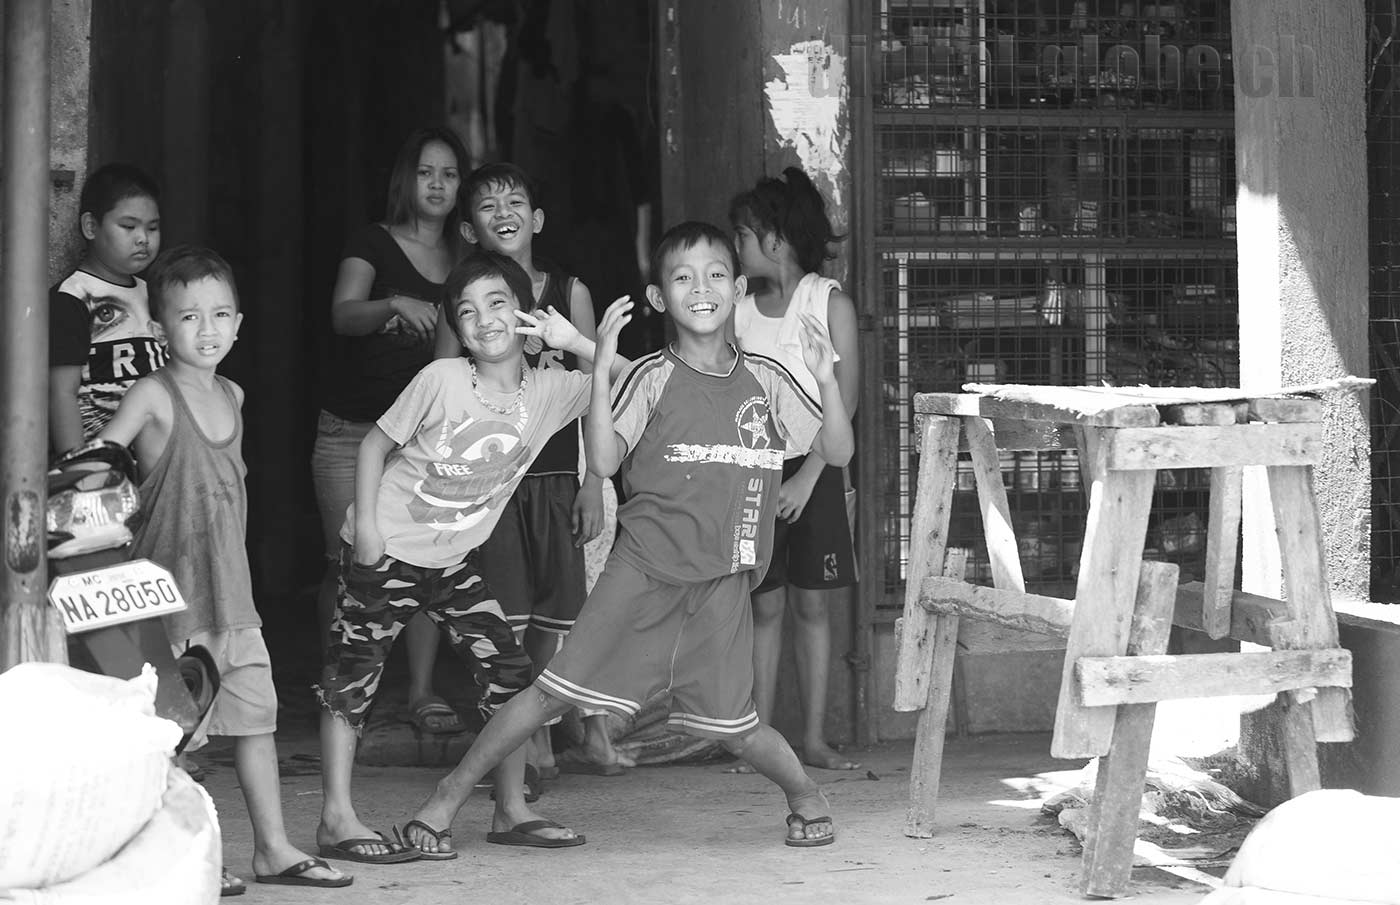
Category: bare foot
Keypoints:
(742, 768)
(808, 831)
(824, 757)
(586, 760)
(277, 859)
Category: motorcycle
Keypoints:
(110, 603)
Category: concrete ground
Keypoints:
(683, 834)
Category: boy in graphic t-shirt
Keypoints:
(700, 429)
(100, 340)
(431, 479)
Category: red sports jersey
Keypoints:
(704, 463)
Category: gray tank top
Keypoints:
(196, 508)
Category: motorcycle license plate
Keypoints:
(125, 592)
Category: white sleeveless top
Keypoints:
(781, 337)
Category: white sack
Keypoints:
(174, 860)
(1332, 844)
(83, 766)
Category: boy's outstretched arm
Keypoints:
(603, 448)
(558, 332)
(835, 442)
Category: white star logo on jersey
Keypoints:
(752, 421)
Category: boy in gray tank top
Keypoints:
(184, 425)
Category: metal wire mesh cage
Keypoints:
(1054, 193)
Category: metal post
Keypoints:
(29, 628)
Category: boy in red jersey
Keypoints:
(702, 427)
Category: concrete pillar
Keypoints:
(1301, 168)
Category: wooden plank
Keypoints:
(1002, 552)
(1285, 409)
(1204, 413)
(1298, 743)
(1253, 618)
(1108, 681)
(1113, 813)
(1013, 609)
(975, 405)
(928, 542)
(1114, 535)
(1222, 548)
(925, 773)
(1215, 446)
(1029, 436)
(1299, 530)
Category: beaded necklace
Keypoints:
(518, 402)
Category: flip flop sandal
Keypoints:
(804, 822)
(435, 707)
(296, 876)
(525, 834)
(344, 850)
(229, 885)
(437, 836)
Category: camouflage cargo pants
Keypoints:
(376, 602)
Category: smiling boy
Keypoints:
(432, 477)
(534, 558)
(700, 429)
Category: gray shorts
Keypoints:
(637, 637)
(247, 700)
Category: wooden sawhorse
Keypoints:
(1117, 625)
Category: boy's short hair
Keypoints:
(113, 183)
(687, 235)
(497, 175)
(483, 265)
(183, 265)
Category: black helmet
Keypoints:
(93, 501)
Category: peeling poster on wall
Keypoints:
(805, 105)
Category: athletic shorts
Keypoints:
(247, 700)
(530, 560)
(638, 637)
(333, 459)
(814, 552)
(377, 601)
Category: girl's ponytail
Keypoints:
(794, 210)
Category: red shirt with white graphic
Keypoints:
(704, 463)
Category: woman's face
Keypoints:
(438, 179)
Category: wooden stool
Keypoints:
(1117, 625)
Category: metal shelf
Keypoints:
(1036, 119)
(944, 246)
